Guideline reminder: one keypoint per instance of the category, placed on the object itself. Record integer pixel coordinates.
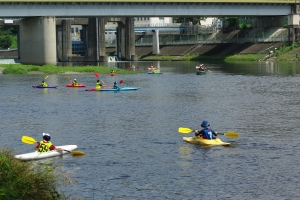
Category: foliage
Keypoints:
(245, 26)
(230, 21)
(9, 30)
(8, 36)
(5, 41)
(14, 43)
(14, 69)
(20, 180)
(194, 20)
(51, 69)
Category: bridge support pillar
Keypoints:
(120, 49)
(155, 43)
(64, 41)
(130, 39)
(101, 35)
(91, 53)
(38, 41)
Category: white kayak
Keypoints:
(36, 155)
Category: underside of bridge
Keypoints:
(50, 43)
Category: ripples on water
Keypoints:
(133, 149)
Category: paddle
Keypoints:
(30, 140)
(97, 75)
(188, 130)
(68, 77)
(121, 81)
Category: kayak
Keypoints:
(36, 155)
(39, 86)
(200, 72)
(196, 140)
(151, 69)
(79, 85)
(154, 73)
(112, 89)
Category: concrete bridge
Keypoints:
(42, 42)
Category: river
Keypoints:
(131, 140)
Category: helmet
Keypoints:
(74, 79)
(205, 124)
(46, 136)
(115, 82)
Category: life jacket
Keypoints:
(44, 146)
(44, 84)
(98, 85)
(75, 83)
(208, 134)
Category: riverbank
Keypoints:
(288, 53)
(51, 69)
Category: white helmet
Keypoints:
(74, 79)
(47, 134)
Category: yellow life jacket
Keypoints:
(98, 85)
(44, 146)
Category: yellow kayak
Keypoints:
(197, 140)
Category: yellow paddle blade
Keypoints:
(231, 134)
(184, 130)
(68, 77)
(46, 77)
(76, 152)
(28, 140)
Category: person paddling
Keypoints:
(98, 84)
(206, 132)
(75, 83)
(116, 86)
(45, 145)
(44, 84)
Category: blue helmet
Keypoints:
(205, 124)
(115, 82)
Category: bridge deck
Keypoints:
(155, 1)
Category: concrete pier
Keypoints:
(38, 41)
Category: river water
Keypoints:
(131, 140)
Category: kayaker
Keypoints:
(112, 72)
(116, 86)
(45, 145)
(206, 132)
(44, 84)
(98, 84)
(202, 67)
(75, 83)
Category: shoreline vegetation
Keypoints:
(286, 53)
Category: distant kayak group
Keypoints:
(99, 86)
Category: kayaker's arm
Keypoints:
(199, 133)
(215, 133)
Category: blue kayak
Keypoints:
(154, 72)
(112, 89)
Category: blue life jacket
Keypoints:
(209, 134)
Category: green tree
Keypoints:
(5, 41)
(194, 20)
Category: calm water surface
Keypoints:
(133, 149)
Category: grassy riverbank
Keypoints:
(51, 69)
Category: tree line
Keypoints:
(8, 36)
